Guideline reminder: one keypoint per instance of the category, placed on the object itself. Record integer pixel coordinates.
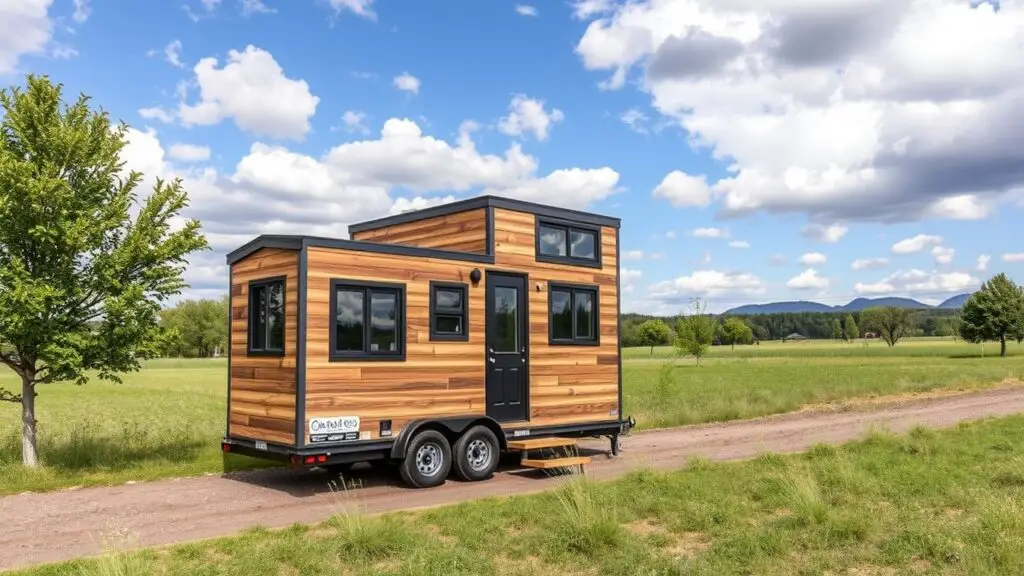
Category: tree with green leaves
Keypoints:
(995, 312)
(837, 329)
(654, 333)
(891, 322)
(198, 328)
(695, 331)
(850, 329)
(85, 263)
(736, 331)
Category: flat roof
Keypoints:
(298, 242)
(486, 201)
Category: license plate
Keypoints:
(261, 445)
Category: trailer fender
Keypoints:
(452, 428)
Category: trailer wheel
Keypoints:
(476, 454)
(427, 460)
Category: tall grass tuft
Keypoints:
(586, 525)
(119, 558)
(367, 538)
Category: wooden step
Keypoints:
(538, 443)
(556, 462)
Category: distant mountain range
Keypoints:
(855, 305)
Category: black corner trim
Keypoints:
(464, 288)
(490, 202)
(489, 239)
(618, 311)
(596, 290)
(227, 430)
(400, 322)
(300, 353)
(596, 262)
(249, 351)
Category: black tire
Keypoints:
(476, 454)
(428, 459)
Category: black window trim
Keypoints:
(573, 288)
(464, 288)
(569, 226)
(364, 355)
(250, 324)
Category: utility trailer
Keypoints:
(433, 340)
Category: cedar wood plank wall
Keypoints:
(262, 402)
(462, 232)
(568, 384)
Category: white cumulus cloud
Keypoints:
(873, 110)
(710, 232)
(812, 258)
(711, 283)
(407, 83)
(943, 255)
(869, 263)
(527, 115)
(830, 233)
(189, 152)
(918, 281)
(916, 244)
(808, 280)
(682, 189)
(252, 89)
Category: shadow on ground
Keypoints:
(302, 482)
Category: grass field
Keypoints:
(945, 502)
(168, 419)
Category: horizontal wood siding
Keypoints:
(436, 379)
(462, 232)
(568, 384)
(262, 403)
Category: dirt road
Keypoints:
(37, 528)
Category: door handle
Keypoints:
(491, 360)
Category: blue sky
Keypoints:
(755, 151)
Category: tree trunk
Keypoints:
(28, 422)
(652, 350)
(1002, 346)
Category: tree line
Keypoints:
(993, 313)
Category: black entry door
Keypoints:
(507, 339)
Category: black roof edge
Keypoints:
(486, 202)
(264, 241)
(298, 242)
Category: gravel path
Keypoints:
(54, 526)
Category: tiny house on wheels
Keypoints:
(433, 340)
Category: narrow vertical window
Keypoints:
(266, 316)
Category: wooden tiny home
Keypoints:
(479, 324)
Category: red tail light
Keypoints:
(225, 447)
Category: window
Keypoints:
(568, 243)
(266, 317)
(367, 320)
(449, 311)
(572, 314)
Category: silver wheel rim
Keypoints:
(478, 454)
(429, 459)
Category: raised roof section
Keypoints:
(486, 202)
